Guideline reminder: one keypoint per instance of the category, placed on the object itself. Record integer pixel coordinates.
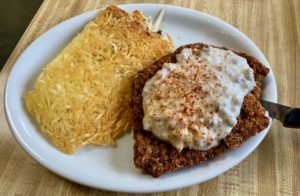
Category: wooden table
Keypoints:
(273, 168)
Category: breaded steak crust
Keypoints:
(157, 157)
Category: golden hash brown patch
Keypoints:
(82, 96)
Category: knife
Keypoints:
(290, 117)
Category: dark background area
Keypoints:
(15, 16)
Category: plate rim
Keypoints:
(31, 152)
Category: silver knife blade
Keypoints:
(275, 110)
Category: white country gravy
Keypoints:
(195, 102)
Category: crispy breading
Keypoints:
(157, 157)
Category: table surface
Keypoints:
(272, 169)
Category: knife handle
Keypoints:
(292, 118)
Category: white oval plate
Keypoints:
(113, 168)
